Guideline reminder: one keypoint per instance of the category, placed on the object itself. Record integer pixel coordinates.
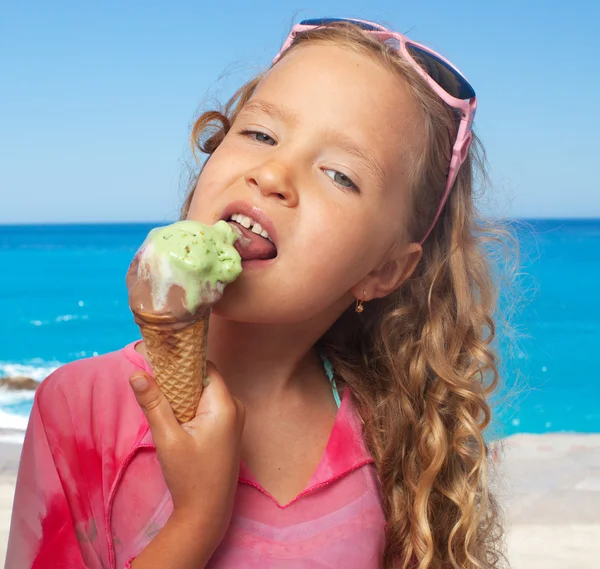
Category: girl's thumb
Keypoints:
(152, 401)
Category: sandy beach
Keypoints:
(549, 486)
(9, 462)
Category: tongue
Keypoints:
(251, 246)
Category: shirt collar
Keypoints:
(345, 451)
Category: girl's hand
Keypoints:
(200, 459)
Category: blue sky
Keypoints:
(96, 98)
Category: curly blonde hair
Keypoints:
(419, 363)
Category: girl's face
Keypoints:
(323, 149)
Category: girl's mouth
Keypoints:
(254, 243)
(257, 243)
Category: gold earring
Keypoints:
(359, 304)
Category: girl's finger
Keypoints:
(216, 398)
(155, 406)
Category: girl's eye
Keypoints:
(342, 180)
(259, 136)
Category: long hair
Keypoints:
(419, 363)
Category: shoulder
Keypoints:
(105, 375)
(92, 396)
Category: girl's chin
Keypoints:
(243, 311)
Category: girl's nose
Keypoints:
(274, 179)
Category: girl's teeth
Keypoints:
(248, 223)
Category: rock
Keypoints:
(18, 383)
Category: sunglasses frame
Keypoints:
(466, 107)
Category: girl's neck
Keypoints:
(261, 361)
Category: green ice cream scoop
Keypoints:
(199, 258)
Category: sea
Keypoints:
(63, 297)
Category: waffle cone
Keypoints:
(178, 359)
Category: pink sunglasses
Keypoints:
(443, 77)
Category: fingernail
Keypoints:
(139, 382)
(206, 381)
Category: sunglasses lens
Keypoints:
(443, 74)
(327, 21)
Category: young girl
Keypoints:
(344, 428)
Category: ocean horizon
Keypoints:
(63, 297)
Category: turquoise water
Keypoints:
(63, 297)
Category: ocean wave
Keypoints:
(13, 421)
(15, 405)
(9, 397)
(37, 369)
(61, 318)
(69, 317)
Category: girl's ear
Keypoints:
(393, 272)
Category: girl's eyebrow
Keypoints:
(339, 139)
(349, 145)
(272, 110)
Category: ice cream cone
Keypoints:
(174, 279)
(178, 358)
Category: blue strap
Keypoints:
(330, 374)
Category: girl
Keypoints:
(344, 428)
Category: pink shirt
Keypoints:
(90, 492)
